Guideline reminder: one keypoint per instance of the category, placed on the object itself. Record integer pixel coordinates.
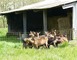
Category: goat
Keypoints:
(60, 39)
(27, 43)
(51, 38)
(37, 41)
(55, 38)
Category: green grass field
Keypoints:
(11, 49)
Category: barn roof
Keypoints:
(41, 5)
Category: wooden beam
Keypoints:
(66, 6)
(74, 21)
(8, 22)
(44, 20)
(24, 24)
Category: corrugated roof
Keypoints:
(41, 5)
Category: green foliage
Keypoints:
(3, 31)
(3, 22)
(9, 5)
(63, 44)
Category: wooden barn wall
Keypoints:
(34, 21)
(15, 22)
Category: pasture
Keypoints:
(11, 49)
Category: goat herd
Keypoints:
(49, 38)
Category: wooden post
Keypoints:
(44, 20)
(24, 24)
(9, 29)
(74, 22)
(8, 22)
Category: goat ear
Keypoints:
(46, 32)
(54, 30)
(25, 39)
(34, 32)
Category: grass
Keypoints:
(14, 51)
(11, 49)
(3, 31)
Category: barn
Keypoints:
(44, 16)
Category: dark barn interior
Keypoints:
(15, 23)
(34, 21)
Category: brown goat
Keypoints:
(37, 41)
(27, 43)
(60, 39)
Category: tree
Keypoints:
(9, 5)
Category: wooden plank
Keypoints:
(74, 22)
(66, 6)
(24, 24)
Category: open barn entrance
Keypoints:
(15, 23)
(34, 21)
(60, 20)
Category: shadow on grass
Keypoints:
(10, 39)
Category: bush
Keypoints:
(3, 22)
(3, 31)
